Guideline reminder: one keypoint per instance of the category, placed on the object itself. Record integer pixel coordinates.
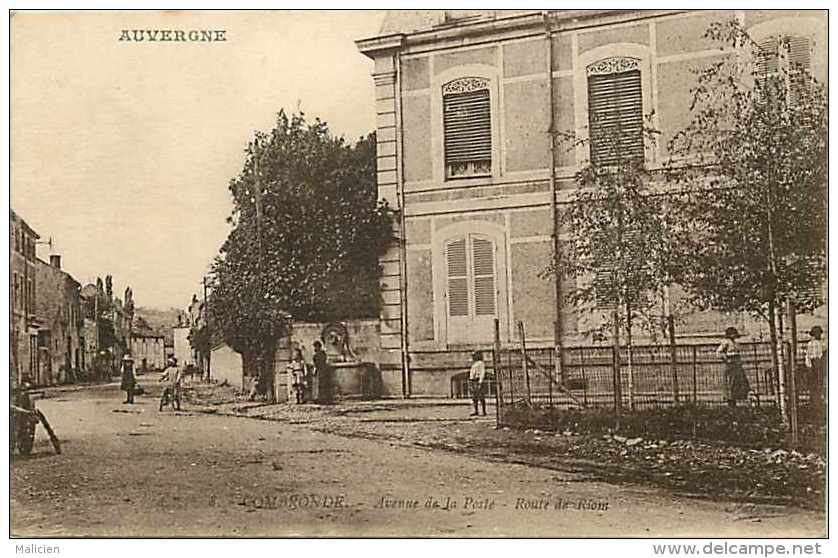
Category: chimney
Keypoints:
(55, 261)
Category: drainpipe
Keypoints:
(551, 132)
(405, 347)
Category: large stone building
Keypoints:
(59, 312)
(148, 351)
(23, 325)
(465, 104)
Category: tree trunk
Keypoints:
(776, 359)
(618, 396)
(630, 357)
(267, 368)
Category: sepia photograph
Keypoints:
(419, 273)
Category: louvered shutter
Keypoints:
(483, 255)
(468, 127)
(455, 254)
(767, 59)
(799, 60)
(604, 289)
(615, 117)
(799, 52)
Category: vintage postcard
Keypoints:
(419, 273)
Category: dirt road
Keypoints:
(132, 471)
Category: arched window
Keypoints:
(471, 285)
(467, 127)
(615, 110)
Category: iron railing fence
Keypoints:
(586, 377)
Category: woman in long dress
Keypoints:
(736, 383)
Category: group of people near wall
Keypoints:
(309, 383)
(736, 383)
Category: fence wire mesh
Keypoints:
(586, 377)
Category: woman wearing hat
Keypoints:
(736, 383)
(815, 361)
(128, 381)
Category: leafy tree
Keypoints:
(141, 325)
(307, 233)
(128, 309)
(621, 247)
(754, 161)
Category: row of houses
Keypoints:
(63, 332)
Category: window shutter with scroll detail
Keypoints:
(484, 277)
(467, 127)
(615, 111)
(457, 268)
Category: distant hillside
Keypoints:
(161, 321)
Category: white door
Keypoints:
(471, 289)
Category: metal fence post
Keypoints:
(615, 348)
(524, 360)
(695, 375)
(673, 355)
(496, 370)
(792, 316)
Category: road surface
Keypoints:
(132, 471)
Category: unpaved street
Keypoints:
(132, 471)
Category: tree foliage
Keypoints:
(307, 233)
(754, 160)
(620, 245)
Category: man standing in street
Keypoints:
(128, 381)
(477, 381)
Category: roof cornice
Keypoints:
(558, 20)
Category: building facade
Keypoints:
(23, 324)
(59, 312)
(148, 351)
(466, 106)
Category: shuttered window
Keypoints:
(472, 289)
(457, 278)
(604, 289)
(484, 277)
(467, 126)
(786, 57)
(615, 111)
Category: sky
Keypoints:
(122, 152)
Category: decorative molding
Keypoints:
(465, 85)
(613, 65)
(385, 78)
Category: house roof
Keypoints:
(15, 217)
(149, 335)
(409, 21)
(50, 267)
